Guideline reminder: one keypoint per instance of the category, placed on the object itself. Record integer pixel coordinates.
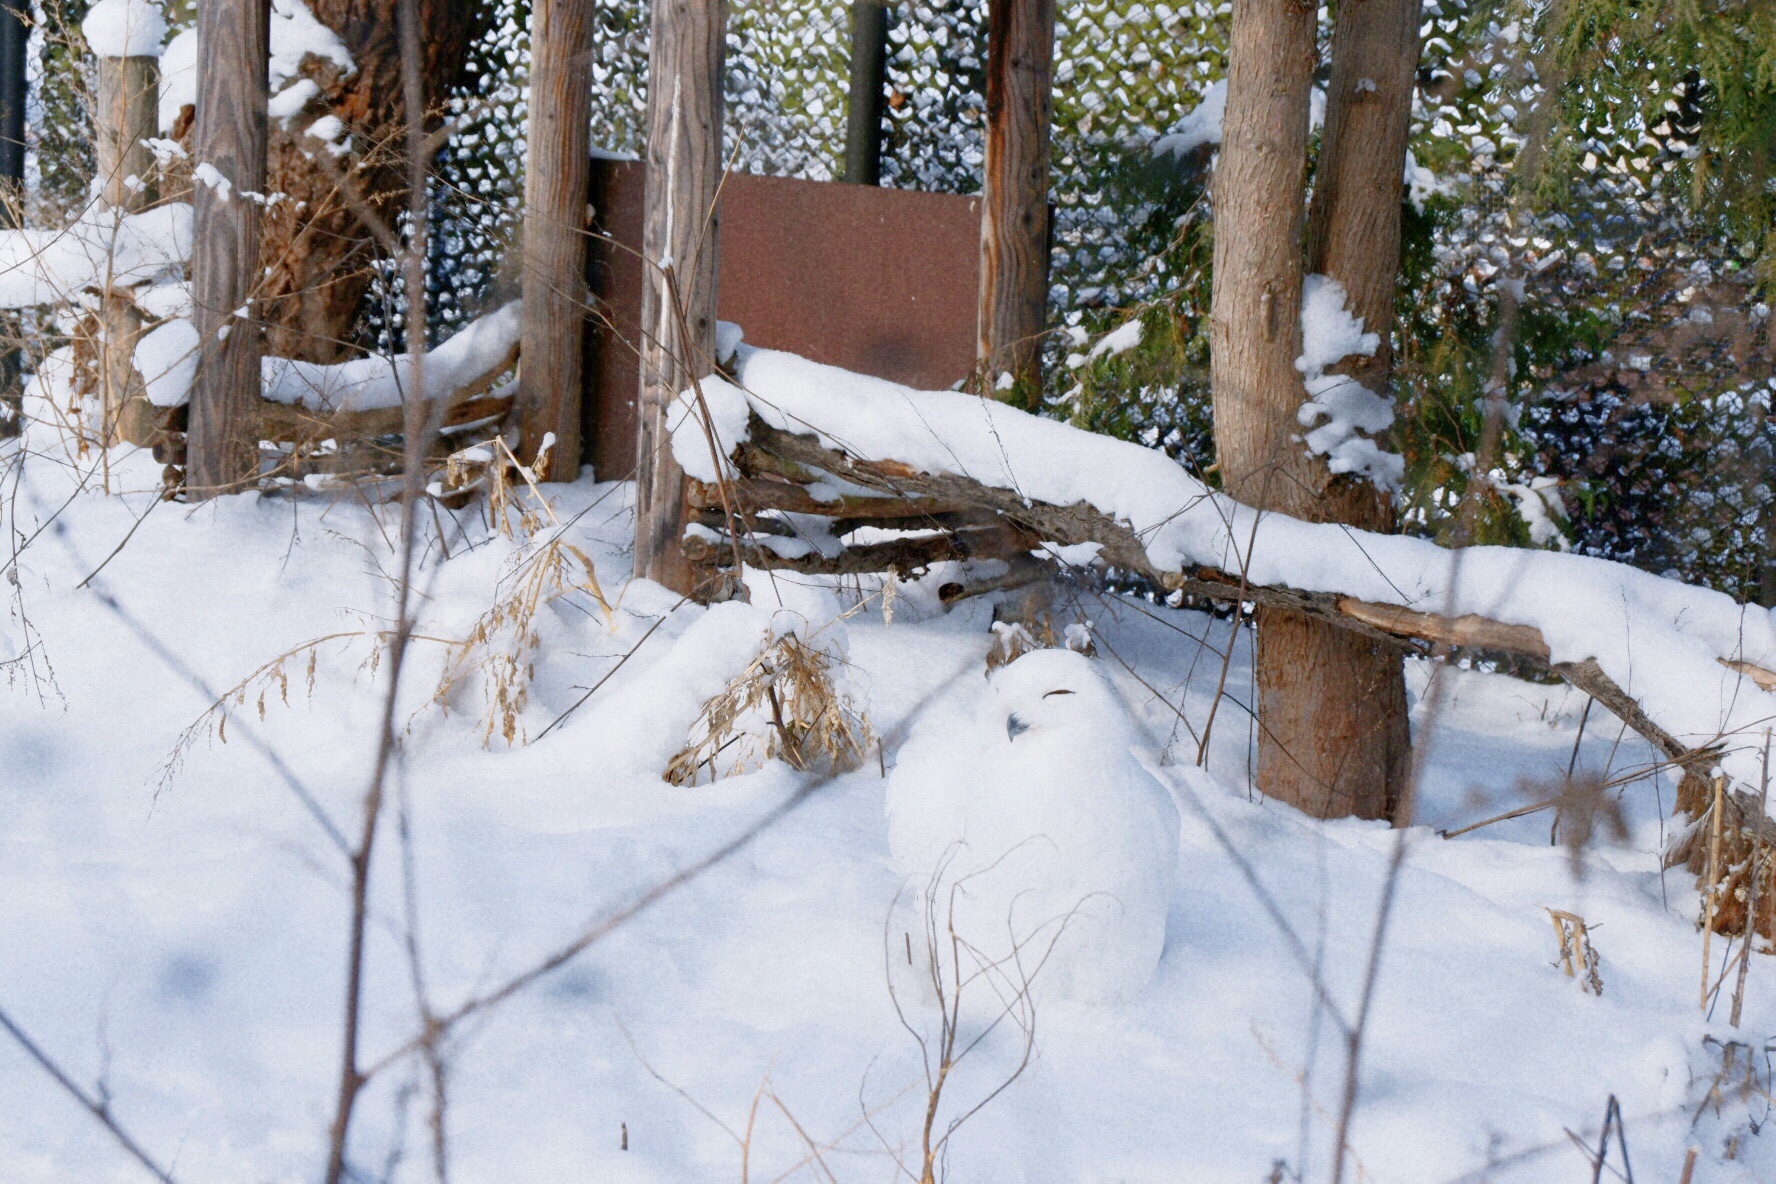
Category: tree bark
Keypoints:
(225, 271)
(1014, 197)
(679, 231)
(124, 103)
(317, 245)
(1333, 736)
(1310, 694)
(557, 177)
(1353, 236)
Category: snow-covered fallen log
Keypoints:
(354, 399)
(1690, 668)
(476, 353)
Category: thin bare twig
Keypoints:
(99, 1108)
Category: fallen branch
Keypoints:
(468, 404)
(776, 465)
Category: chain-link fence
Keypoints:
(1638, 396)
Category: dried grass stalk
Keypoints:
(784, 704)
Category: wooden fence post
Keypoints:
(13, 36)
(232, 35)
(865, 100)
(125, 116)
(557, 176)
(684, 163)
(1014, 196)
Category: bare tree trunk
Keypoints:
(124, 101)
(557, 177)
(684, 161)
(1306, 717)
(1014, 198)
(317, 248)
(1353, 236)
(1332, 709)
(225, 271)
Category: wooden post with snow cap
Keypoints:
(125, 38)
(1014, 196)
(684, 169)
(556, 178)
(232, 37)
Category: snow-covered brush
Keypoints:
(1013, 639)
(500, 645)
(786, 704)
(1738, 1090)
(497, 650)
(502, 642)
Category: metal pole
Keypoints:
(867, 99)
(13, 35)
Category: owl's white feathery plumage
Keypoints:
(1029, 825)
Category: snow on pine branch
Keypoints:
(1662, 641)
(1352, 413)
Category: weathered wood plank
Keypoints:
(230, 136)
(902, 556)
(556, 180)
(1014, 196)
(678, 266)
(124, 95)
(752, 494)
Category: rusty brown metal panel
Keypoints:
(881, 281)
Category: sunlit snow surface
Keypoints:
(186, 944)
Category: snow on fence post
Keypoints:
(1014, 196)
(684, 169)
(125, 37)
(866, 97)
(229, 172)
(557, 176)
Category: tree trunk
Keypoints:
(1353, 236)
(1331, 704)
(684, 163)
(1014, 197)
(225, 270)
(557, 177)
(1307, 715)
(317, 247)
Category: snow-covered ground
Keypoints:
(179, 941)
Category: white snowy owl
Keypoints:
(1032, 832)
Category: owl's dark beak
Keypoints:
(1015, 727)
